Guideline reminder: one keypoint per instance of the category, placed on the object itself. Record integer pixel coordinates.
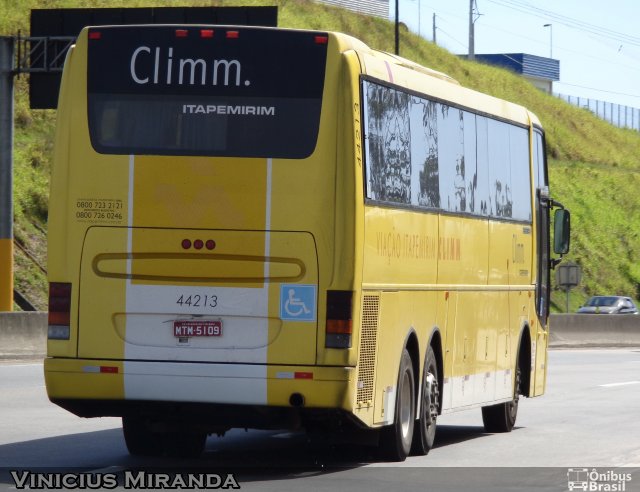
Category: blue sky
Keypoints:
(596, 41)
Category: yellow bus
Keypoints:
(269, 228)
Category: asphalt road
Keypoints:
(588, 419)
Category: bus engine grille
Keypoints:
(367, 357)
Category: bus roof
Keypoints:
(407, 73)
(411, 75)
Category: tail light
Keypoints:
(59, 311)
(339, 327)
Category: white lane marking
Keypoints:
(9, 363)
(611, 385)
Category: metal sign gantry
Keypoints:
(34, 54)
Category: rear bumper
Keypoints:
(115, 385)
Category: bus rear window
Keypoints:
(160, 90)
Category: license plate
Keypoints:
(205, 328)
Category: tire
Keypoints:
(395, 440)
(143, 441)
(502, 417)
(424, 432)
(185, 444)
(140, 440)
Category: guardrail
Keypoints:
(594, 330)
(24, 334)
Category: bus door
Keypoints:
(543, 287)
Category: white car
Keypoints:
(609, 305)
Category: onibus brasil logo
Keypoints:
(594, 480)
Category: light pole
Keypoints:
(474, 15)
(550, 26)
(419, 17)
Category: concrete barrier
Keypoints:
(24, 334)
(594, 330)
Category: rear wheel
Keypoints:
(502, 417)
(183, 444)
(424, 433)
(143, 440)
(395, 440)
(140, 439)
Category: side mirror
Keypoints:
(561, 231)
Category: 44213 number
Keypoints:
(197, 301)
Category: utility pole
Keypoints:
(473, 17)
(550, 26)
(7, 51)
(434, 29)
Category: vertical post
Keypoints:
(472, 50)
(434, 29)
(619, 123)
(550, 26)
(397, 28)
(6, 173)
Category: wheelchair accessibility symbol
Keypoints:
(298, 302)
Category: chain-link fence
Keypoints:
(616, 114)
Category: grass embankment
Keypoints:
(593, 166)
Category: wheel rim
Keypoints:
(513, 405)
(433, 395)
(405, 405)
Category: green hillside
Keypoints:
(593, 166)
